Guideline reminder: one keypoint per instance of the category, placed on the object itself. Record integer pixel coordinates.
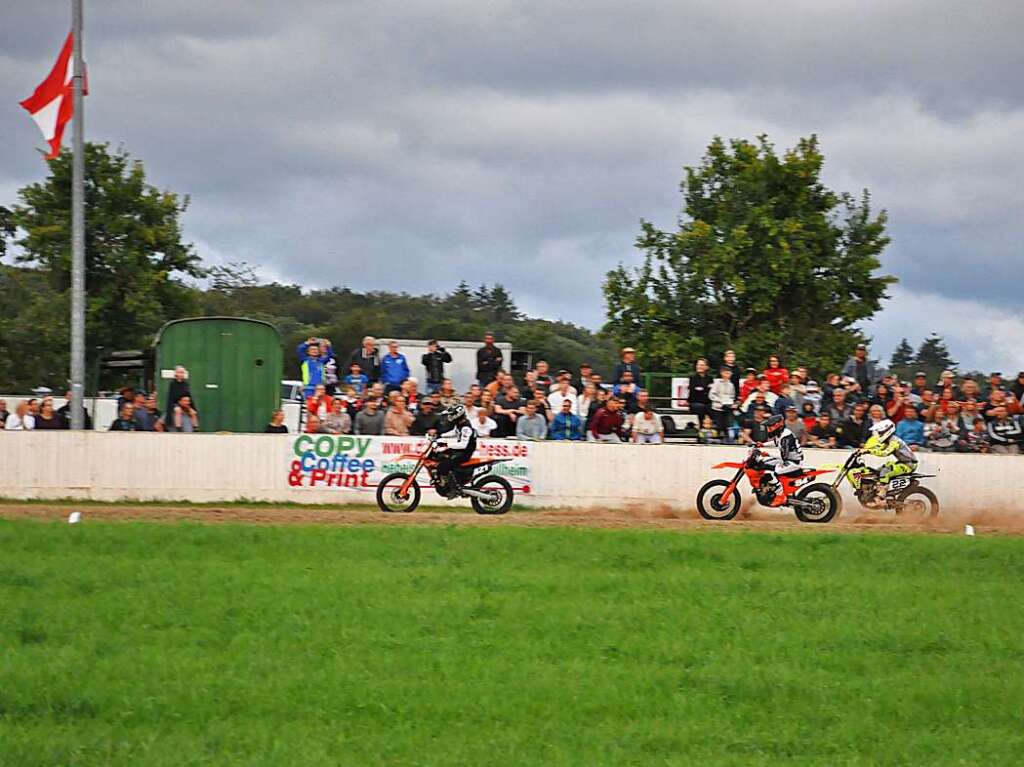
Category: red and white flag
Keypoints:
(52, 104)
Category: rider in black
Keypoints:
(453, 447)
(791, 456)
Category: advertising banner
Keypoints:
(350, 463)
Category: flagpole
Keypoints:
(77, 230)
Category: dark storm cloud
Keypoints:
(408, 145)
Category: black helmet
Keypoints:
(453, 413)
(769, 428)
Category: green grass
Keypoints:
(159, 644)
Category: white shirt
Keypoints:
(556, 398)
(485, 427)
(16, 423)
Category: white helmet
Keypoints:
(883, 430)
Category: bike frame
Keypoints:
(425, 459)
(753, 475)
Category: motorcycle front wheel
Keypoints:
(711, 505)
(826, 503)
(389, 494)
(918, 502)
(500, 492)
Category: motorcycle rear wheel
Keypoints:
(917, 502)
(389, 498)
(501, 492)
(710, 504)
(828, 502)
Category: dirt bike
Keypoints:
(489, 494)
(903, 494)
(817, 502)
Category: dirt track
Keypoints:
(852, 521)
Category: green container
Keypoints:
(234, 369)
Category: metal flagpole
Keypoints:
(77, 230)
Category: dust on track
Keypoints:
(649, 516)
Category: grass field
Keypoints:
(186, 644)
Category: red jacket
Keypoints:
(776, 377)
(606, 422)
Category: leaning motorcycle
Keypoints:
(903, 494)
(488, 493)
(720, 499)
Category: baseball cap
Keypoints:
(862, 346)
(812, 385)
(920, 374)
(628, 349)
(995, 373)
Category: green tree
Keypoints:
(903, 355)
(134, 251)
(933, 357)
(765, 260)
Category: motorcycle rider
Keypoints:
(791, 457)
(453, 448)
(883, 443)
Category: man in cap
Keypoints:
(628, 363)
(860, 368)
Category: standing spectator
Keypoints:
(566, 425)
(482, 423)
(3, 412)
(448, 394)
(320, 403)
(488, 360)
(178, 387)
(426, 420)
(332, 375)
(1005, 432)
(398, 419)
(722, 396)
(861, 369)
(20, 419)
(531, 425)
(729, 361)
(564, 375)
(775, 373)
(368, 357)
(583, 402)
(65, 410)
(1017, 387)
(356, 378)
(627, 390)
(699, 403)
(313, 353)
(840, 409)
(370, 420)
(147, 416)
(600, 400)
(184, 417)
(276, 425)
(562, 394)
(125, 420)
(628, 363)
(508, 408)
(824, 433)
(785, 400)
(584, 377)
(947, 383)
(920, 383)
(852, 432)
(543, 376)
(434, 361)
(314, 425)
(48, 418)
(647, 427)
(394, 368)
(606, 425)
(337, 421)
(795, 424)
(910, 429)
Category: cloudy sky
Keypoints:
(408, 145)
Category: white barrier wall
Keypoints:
(213, 467)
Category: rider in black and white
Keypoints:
(453, 447)
(791, 457)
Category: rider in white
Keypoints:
(791, 457)
(454, 447)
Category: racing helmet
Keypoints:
(883, 430)
(769, 428)
(453, 413)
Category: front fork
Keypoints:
(403, 491)
(733, 486)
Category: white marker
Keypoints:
(75, 516)
(968, 529)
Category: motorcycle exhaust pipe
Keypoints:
(483, 495)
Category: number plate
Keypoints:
(900, 483)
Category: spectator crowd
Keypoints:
(374, 393)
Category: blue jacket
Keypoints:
(566, 426)
(312, 367)
(393, 370)
(911, 432)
